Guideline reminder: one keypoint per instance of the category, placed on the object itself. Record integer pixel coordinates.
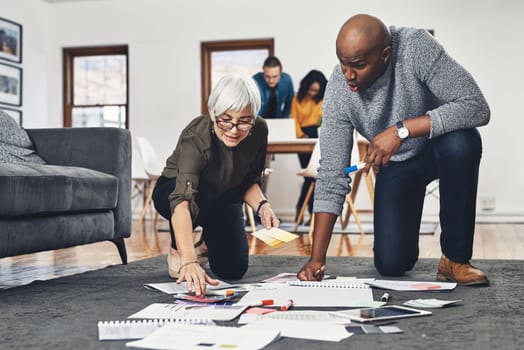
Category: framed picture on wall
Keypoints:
(10, 85)
(10, 40)
(15, 113)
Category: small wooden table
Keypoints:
(291, 146)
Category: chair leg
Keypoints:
(344, 217)
(155, 222)
(147, 203)
(121, 246)
(344, 240)
(370, 182)
(304, 205)
(355, 215)
(251, 218)
(370, 179)
(311, 227)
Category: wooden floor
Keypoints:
(492, 241)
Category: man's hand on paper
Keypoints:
(312, 271)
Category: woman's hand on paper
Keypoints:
(196, 279)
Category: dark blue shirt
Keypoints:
(284, 93)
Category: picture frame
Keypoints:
(10, 40)
(10, 85)
(15, 113)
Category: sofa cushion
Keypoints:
(15, 144)
(30, 189)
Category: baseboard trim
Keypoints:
(482, 217)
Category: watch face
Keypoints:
(403, 133)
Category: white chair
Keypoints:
(311, 171)
(281, 129)
(139, 178)
(153, 169)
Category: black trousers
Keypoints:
(223, 229)
(400, 188)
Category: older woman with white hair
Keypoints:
(215, 167)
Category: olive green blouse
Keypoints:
(201, 157)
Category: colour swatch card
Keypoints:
(190, 312)
(175, 288)
(412, 285)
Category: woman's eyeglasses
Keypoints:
(228, 125)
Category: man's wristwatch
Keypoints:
(402, 131)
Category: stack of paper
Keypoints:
(182, 336)
(351, 296)
(430, 303)
(303, 330)
(274, 236)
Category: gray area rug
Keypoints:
(63, 313)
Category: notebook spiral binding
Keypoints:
(328, 284)
(138, 329)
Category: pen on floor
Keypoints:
(354, 168)
(267, 302)
(264, 302)
(219, 292)
(287, 306)
(385, 297)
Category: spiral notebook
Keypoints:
(312, 294)
(138, 329)
(328, 284)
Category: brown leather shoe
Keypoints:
(464, 274)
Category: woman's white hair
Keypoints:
(234, 92)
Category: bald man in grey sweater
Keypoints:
(419, 109)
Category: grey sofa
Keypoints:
(82, 194)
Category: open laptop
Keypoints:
(282, 129)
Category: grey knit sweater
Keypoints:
(421, 78)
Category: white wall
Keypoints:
(164, 40)
(32, 15)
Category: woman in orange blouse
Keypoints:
(306, 109)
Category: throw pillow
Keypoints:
(15, 144)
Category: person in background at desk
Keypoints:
(419, 109)
(215, 167)
(306, 109)
(276, 89)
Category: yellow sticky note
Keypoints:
(282, 235)
(274, 236)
